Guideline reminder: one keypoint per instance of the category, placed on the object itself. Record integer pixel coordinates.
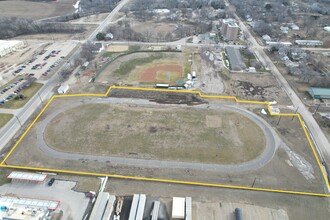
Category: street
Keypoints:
(321, 141)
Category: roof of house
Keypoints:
(320, 91)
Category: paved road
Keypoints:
(272, 142)
(12, 127)
(181, 42)
(107, 20)
(321, 141)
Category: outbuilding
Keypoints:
(319, 93)
(8, 46)
(63, 89)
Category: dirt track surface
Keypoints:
(263, 159)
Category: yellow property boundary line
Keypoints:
(168, 180)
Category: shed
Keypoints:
(25, 176)
(63, 89)
(319, 93)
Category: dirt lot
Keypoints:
(293, 166)
(117, 48)
(208, 136)
(214, 203)
(134, 69)
(256, 86)
(28, 9)
(91, 19)
(154, 27)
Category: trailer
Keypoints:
(238, 214)
(162, 86)
(178, 208)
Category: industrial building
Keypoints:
(182, 208)
(309, 42)
(20, 208)
(7, 47)
(63, 89)
(229, 29)
(11, 211)
(26, 177)
(235, 59)
(319, 93)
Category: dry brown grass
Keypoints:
(182, 134)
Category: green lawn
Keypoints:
(4, 118)
(27, 92)
(127, 67)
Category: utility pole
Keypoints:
(40, 97)
(19, 121)
(317, 108)
(295, 113)
(279, 120)
(254, 181)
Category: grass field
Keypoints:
(28, 9)
(28, 93)
(127, 67)
(4, 118)
(183, 134)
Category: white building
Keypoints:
(309, 42)
(7, 47)
(63, 89)
(327, 28)
(295, 27)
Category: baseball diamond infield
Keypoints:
(162, 73)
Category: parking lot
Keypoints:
(42, 64)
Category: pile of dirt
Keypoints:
(159, 97)
(248, 89)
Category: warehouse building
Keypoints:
(7, 47)
(235, 59)
(309, 42)
(319, 93)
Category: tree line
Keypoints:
(13, 26)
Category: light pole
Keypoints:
(40, 97)
(19, 121)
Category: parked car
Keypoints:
(51, 181)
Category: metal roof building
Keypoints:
(309, 42)
(235, 59)
(100, 206)
(33, 177)
(8, 46)
(49, 204)
(319, 93)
